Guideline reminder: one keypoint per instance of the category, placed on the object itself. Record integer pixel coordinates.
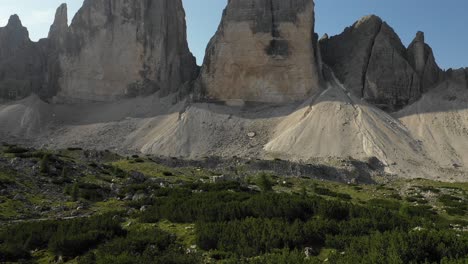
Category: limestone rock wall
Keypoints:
(263, 51)
(22, 62)
(348, 54)
(390, 81)
(123, 48)
(422, 59)
(55, 45)
(370, 60)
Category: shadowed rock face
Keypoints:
(112, 49)
(55, 44)
(422, 59)
(121, 48)
(458, 76)
(348, 54)
(390, 81)
(370, 59)
(21, 62)
(263, 51)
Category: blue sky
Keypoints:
(444, 21)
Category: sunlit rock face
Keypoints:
(125, 48)
(263, 51)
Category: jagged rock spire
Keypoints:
(14, 21)
(21, 61)
(421, 57)
(60, 25)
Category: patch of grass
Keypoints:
(6, 179)
(325, 253)
(111, 205)
(15, 150)
(438, 184)
(44, 257)
(155, 170)
(327, 192)
(9, 209)
(451, 201)
(185, 232)
(455, 211)
(388, 204)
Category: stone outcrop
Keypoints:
(458, 76)
(422, 59)
(263, 51)
(21, 62)
(370, 60)
(120, 48)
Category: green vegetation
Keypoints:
(265, 183)
(44, 167)
(111, 209)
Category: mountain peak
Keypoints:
(60, 24)
(419, 37)
(14, 21)
(369, 19)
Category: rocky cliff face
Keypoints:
(21, 62)
(119, 48)
(54, 46)
(263, 51)
(458, 76)
(422, 59)
(348, 54)
(370, 59)
(390, 81)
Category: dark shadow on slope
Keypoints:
(360, 172)
(447, 97)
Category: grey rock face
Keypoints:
(112, 49)
(118, 48)
(390, 81)
(348, 54)
(422, 59)
(263, 51)
(55, 44)
(459, 76)
(59, 28)
(21, 62)
(370, 60)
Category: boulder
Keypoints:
(137, 177)
(120, 48)
(263, 51)
(21, 62)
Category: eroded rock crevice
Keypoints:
(368, 58)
